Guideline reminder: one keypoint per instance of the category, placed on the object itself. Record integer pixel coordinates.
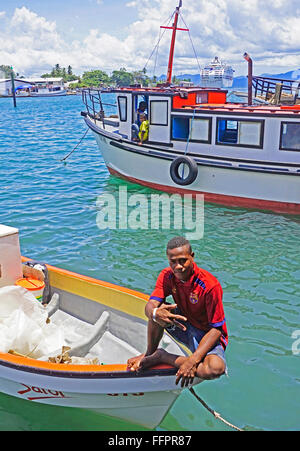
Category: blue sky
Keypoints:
(109, 34)
(74, 18)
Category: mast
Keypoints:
(171, 54)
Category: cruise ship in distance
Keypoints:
(217, 74)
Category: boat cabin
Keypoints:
(202, 119)
(160, 105)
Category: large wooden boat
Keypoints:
(234, 154)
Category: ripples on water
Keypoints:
(254, 254)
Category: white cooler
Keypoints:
(10, 256)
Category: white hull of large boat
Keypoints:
(212, 82)
(245, 185)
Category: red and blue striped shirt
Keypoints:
(199, 299)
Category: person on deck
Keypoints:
(144, 129)
(197, 319)
(142, 109)
(135, 128)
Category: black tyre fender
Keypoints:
(192, 170)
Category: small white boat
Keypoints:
(47, 87)
(109, 325)
(217, 74)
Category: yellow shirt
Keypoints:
(144, 128)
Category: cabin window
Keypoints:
(202, 97)
(200, 130)
(290, 136)
(240, 132)
(184, 128)
(122, 104)
(159, 112)
(180, 128)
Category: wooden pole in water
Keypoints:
(13, 86)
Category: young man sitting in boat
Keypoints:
(197, 319)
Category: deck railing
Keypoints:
(94, 104)
(275, 90)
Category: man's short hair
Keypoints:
(179, 241)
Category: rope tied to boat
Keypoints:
(63, 159)
(213, 412)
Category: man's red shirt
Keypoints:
(199, 299)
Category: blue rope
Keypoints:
(188, 140)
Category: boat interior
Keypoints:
(100, 323)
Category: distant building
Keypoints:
(6, 88)
(34, 87)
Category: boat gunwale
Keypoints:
(84, 278)
(39, 367)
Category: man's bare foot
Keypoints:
(134, 362)
(154, 359)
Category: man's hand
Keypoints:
(165, 318)
(187, 372)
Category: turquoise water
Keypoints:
(254, 254)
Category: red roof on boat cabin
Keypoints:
(197, 97)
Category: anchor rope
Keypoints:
(76, 145)
(215, 414)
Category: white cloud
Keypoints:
(2, 14)
(269, 32)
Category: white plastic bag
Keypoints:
(23, 326)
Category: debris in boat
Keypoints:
(18, 354)
(65, 358)
(33, 273)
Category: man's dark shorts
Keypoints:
(192, 336)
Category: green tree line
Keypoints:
(99, 78)
(5, 71)
(95, 78)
